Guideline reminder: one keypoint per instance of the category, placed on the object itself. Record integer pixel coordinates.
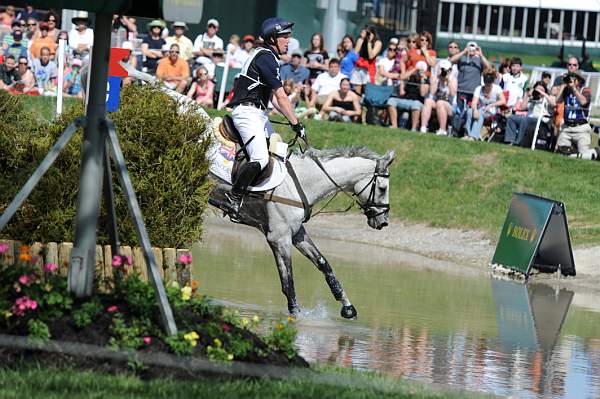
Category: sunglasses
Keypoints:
(212, 26)
(572, 64)
(33, 24)
(174, 52)
(52, 20)
(392, 49)
(423, 39)
(22, 63)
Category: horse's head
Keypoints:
(373, 193)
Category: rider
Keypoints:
(257, 82)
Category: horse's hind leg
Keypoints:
(282, 250)
(305, 245)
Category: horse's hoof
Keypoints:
(348, 312)
(294, 310)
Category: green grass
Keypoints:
(446, 182)
(52, 383)
(45, 107)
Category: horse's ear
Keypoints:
(390, 156)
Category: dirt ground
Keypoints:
(454, 251)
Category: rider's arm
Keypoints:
(284, 105)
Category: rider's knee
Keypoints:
(263, 161)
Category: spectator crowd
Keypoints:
(401, 84)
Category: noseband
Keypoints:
(370, 204)
(367, 207)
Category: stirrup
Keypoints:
(231, 211)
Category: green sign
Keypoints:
(535, 234)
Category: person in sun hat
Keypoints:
(185, 43)
(152, 45)
(81, 37)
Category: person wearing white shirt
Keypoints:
(514, 82)
(384, 67)
(81, 38)
(325, 83)
(207, 42)
(238, 53)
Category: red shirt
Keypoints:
(415, 55)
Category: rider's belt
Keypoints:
(251, 104)
(576, 122)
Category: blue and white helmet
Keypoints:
(275, 26)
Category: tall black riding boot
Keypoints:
(245, 176)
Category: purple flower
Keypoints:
(3, 247)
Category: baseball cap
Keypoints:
(179, 24)
(76, 62)
(212, 21)
(471, 44)
(297, 53)
(248, 38)
(394, 40)
(445, 65)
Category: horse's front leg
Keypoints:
(305, 245)
(282, 250)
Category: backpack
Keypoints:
(377, 96)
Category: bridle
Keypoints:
(370, 204)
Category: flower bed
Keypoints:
(35, 302)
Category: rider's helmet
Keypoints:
(273, 27)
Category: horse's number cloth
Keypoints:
(221, 158)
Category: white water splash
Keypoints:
(318, 312)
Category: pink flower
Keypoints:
(112, 309)
(128, 260)
(226, 327)
(147, 340)
(24, 279)
(22, 304)
(3, 247)
(50, 267)
(117, 261)
(186, 258)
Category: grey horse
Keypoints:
(321, 173)
(361, 173)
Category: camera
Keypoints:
(567, 79)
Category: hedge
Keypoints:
(165, 153)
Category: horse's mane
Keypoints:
(342, 152)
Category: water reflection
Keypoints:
(476, 333)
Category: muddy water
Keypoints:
(467, 330)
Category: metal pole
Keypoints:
(61, 73)
(224, 81)
(83, 256)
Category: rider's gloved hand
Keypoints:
(299, 129)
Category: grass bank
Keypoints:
(60, 383)
(446, 182)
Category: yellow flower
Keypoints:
(174, 284)
(195, 335)
(7, 315)
(279, 326)
(291, 319)
(230, 356)
(217, 342)
(186, 293)
(194, 343)
(255, 319)
(245, 322)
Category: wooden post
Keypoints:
(139, 263)
(126, 251)
(99, 272)
(184, 272)
(170, 271)
(108, 269)
(52, 253)
(37, 253)
(64, 256)
(158, 255)
(8, 257)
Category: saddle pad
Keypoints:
(221, 156)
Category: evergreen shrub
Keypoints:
(165, 153)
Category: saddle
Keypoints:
(230, 136)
